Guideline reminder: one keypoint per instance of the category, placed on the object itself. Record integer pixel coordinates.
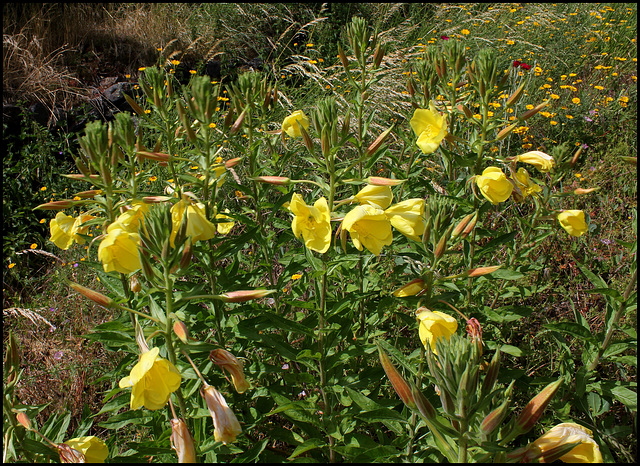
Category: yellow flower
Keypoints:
(229, 362)
(65, 229)
(198, 227)
(225, 423)
(313, 223)
(466, 32)
(93, 449)
(494, 185)
(538, 159)
(224, 227)
(130, 219)
(527, 187)
(435, 325)
(587, 451)
(407, 218)
(369, 227)
(118, 251)
(152, 380)
(430, 127)
(291, 124)
(377, 196)
(575, 100)
(573, 222)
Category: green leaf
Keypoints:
(572, 328)
(512, 350)
(627, 397)
(507, 274)
(310, 444)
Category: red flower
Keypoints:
(524, 66)
(444, 37)
(516, 63)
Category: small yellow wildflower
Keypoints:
(575, 100)
(466, 32)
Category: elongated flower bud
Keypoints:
(134, 105)
(181, 331)
(534, 409)
(506, 131)
(495, 417)
(343, 57)
(241, 296)
(56, 205)
(580, 191)
(277, 180)
(380, 181)
(94, 296)
(479, 271)
(533, 111)
(513, 99)
(469, 228)
(423, 405)
(461, 225)
(574, 159)
(238, 123)
(375, 145)
(399, 384)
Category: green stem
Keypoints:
(614, 321)
(321, 349)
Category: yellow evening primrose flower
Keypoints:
(435, 325)
(312, 223)
(152, 380)
(225, 423)
(224, 227)
(527, 187)
(368, 227)
(198, 227)
(408, 218)
(494, 185)
(540, 160)
(93, 448)
(587, 451)
(291, 124)
(573, 222)
(377, 196)
(430, 127)
(130, 219)
(118, 251)
(65, 229)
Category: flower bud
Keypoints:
(410, 289)
(375, 145)
(380, 181)
(94, 296)
(24, 420)
(241, 296)
(513, 99)
(134, 105)
(495, 417)
(574, 159)
(277, 180)
(423, 405)
(534, 409)
(479, 271)
(492, 374)
(56, 205)
(533, 111)
(157, 156)
(461, 225)
(399, 384)
(181, 331)
(182, 441)
(343, 57)
(469, 228)
(506, 131)
(90, 194)
(580, 191)
(232, 162)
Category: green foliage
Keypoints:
(423, 228)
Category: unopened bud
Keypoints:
(506, 131)
(375, 145)
(232, 162)
(94, 296)
(585, 191)
(185, 259)
(399, 384)
(241, 296)
(513, 99)
(574, 159)
(493, 420)
(533, 111)
(378, 55)
(441, 247)
(468, 113)
(156, 156)
(90, 194)
(630, 160)
(156, 199)
(24, 420)
(181, 331)
(307, 139)
(479, 271)
(277, 180)
(410, 289)
(469, 228)
(492, 374)
(461, 225)
(343, 57)
(238, 123)
(56, 205)
(423, 405)
(134, 105)
(534, 409)
(380, 181)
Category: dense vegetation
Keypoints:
(362, 183)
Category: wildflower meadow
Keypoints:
(410, 240)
